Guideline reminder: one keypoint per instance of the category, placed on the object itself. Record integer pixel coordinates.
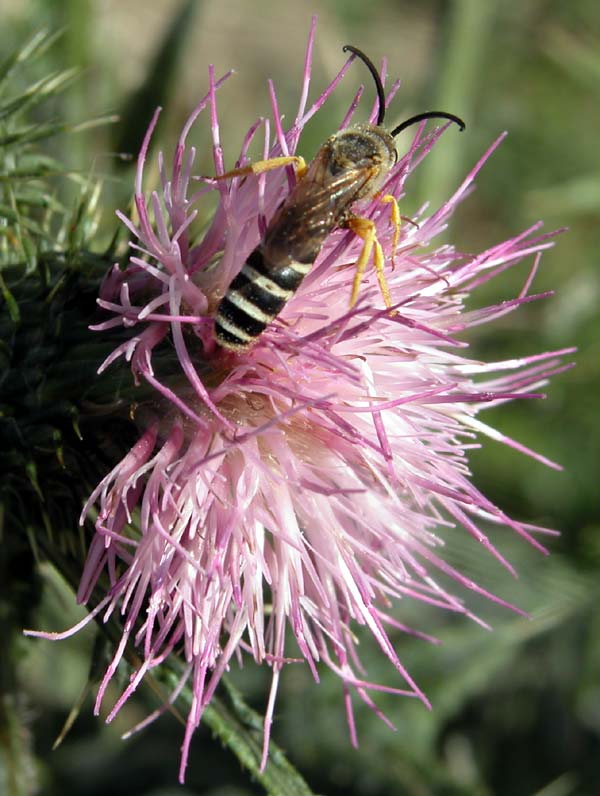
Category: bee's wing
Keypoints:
(322, 193)
(315, 207)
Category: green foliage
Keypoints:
(49, 281)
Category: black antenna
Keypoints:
(378, 84)
(428, 115)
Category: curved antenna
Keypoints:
(375, 74)
(428, 115)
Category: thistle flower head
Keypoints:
(308, 483)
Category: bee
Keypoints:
(351, 165)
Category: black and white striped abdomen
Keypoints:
(254, 298)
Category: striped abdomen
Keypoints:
(254, 298)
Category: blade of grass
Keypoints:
(467, 27)
(138, 108)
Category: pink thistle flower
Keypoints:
(309, 482)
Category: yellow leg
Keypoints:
(267, 165)
(396, 221)
(365, 229)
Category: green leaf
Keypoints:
(38, 132)
(36, 46)
(240, 729)
(37, 92)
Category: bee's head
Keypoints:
(367, 148)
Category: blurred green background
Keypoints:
(516, 712)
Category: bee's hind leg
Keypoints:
(267, 165)
(365, 229)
